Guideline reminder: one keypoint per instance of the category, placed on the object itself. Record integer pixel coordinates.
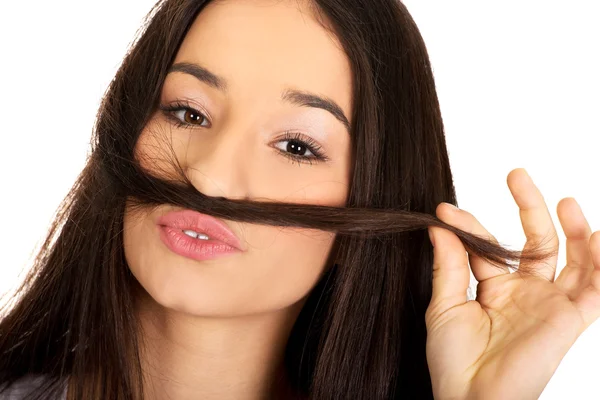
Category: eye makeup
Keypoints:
(296, 140)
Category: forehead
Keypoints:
(262, 47)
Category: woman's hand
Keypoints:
(508, 342)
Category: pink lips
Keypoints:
(221, 239)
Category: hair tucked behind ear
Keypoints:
(361, 333)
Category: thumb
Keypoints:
(450, 269)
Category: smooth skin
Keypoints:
(509, 341)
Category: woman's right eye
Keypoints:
(184, 116)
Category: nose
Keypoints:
(221, 164)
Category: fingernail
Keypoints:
(431, 236)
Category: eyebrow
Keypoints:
(293, 96)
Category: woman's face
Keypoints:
(266, 55)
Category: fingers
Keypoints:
(578, 233)
(535, 219)
(450, 270)
(465, 221)
(588, 301)
(575, 275)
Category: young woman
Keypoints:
(253, 223)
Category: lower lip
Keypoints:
(196, 249)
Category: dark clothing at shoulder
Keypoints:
(21, 389)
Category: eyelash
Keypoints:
(307, 142)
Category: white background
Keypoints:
(518, 83)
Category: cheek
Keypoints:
(286, 268)
(157, 148)
(139, 250)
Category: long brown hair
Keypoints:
(361, 333)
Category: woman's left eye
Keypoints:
(298, 146)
